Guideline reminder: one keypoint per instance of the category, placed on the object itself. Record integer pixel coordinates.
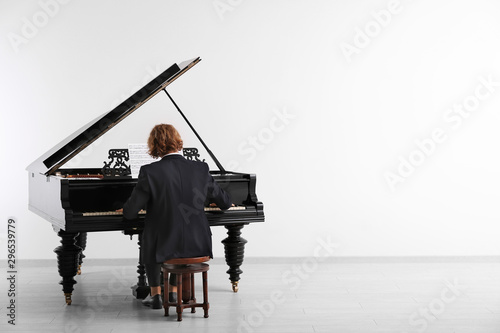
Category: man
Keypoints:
(173, 191)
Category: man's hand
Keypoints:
(213, 204)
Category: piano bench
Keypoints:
(184, 269)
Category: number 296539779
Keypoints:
(11, 244)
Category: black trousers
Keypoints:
(153, 272)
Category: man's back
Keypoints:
(173, 191)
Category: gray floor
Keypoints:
(276, 295)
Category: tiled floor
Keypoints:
(276, 295)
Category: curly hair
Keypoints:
(164, 139)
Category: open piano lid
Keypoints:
(52, 160)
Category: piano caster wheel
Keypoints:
(68, 298)
(235, 286)
(79, 272)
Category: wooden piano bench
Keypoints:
(184, 269)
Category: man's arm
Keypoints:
(139, 197)
(217, 195)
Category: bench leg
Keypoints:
(165, 298)
(179, 297)
(205, 294)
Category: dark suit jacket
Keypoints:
(173, 191)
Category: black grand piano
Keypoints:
(80, 200)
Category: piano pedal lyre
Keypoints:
(67, 296)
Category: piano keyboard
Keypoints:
(212, 209)
(142, 212)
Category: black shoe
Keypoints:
(172, 297)
(154, 302)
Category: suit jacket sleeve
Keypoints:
(218, 195)
(139, 197)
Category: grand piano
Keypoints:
(81, 200)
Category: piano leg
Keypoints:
(68, 258)
(141, 289)
(81, 241)
(234, 248)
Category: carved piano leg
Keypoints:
(68, 258)
(141, 289)
(81, 241)
(234, 248)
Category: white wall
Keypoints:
(364, 87)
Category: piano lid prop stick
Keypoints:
(221, 168)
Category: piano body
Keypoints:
(81, 200)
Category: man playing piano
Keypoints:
(173, 191)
